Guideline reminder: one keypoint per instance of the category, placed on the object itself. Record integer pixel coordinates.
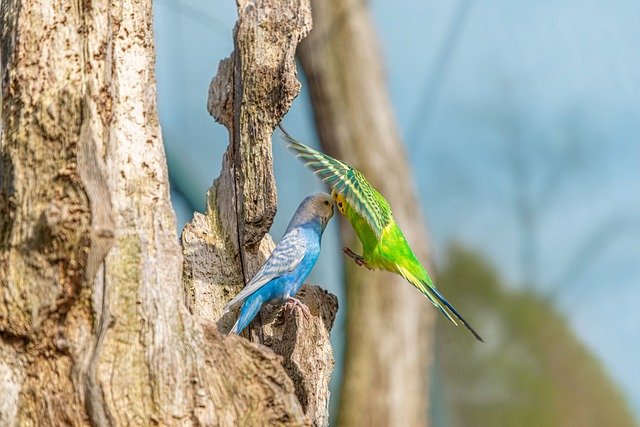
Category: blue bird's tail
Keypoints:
(250, 308)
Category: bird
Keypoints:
(289, 264)
(384, 247)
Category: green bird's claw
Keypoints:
(360, 262)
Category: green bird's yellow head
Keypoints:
(339, 201)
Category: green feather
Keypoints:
(383, 244)
(349, 182)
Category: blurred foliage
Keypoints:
(532, 371)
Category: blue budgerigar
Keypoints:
(289, 264)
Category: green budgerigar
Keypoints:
(383, 244)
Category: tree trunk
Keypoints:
(93, 325)
(389, 326)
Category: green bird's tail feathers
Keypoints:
(425, 286)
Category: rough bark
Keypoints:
(389, 326)
(93, 326)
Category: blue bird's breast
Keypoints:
(285, 286)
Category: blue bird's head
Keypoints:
(314, 209)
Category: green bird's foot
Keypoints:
(360, 262)
(297, 303)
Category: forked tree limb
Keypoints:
(250, 94)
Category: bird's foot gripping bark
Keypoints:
(360, 262)
(297, 303)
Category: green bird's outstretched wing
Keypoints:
(349, 182)
(365, 201)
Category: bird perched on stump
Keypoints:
(289, 264)
(383, 244)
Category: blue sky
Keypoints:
(502, 104)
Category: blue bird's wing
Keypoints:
(284, 259)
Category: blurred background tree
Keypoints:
(533, 372)
(520, 121)
(385, 364)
